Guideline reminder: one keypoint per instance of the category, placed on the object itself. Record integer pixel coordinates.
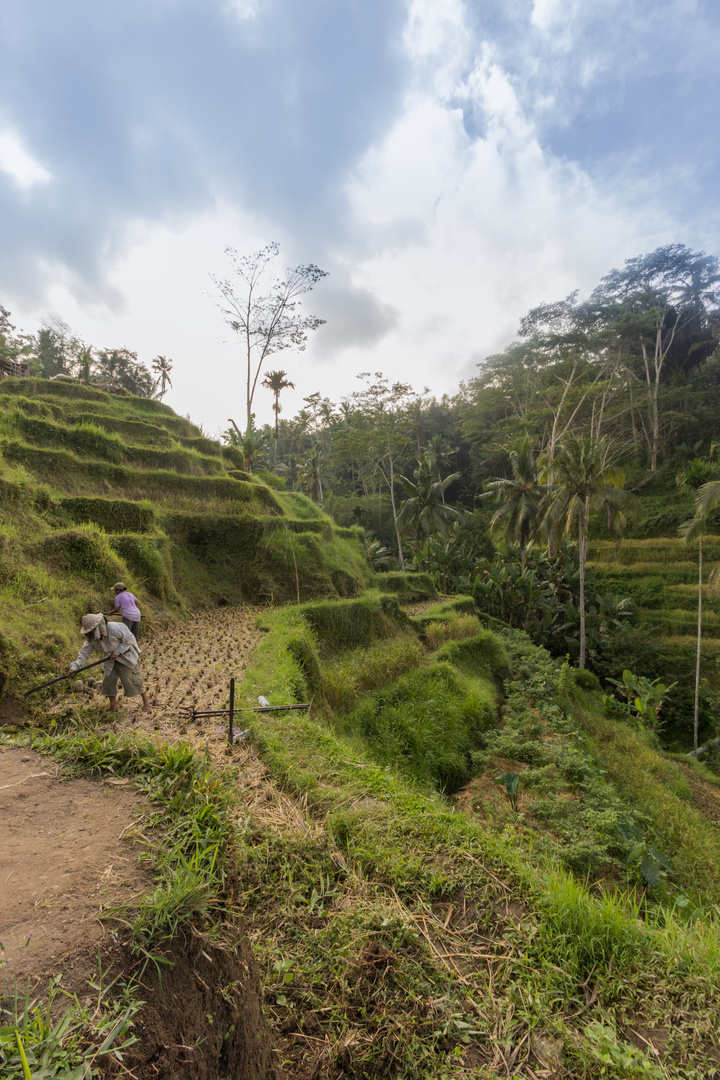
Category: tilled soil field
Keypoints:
(190, 666)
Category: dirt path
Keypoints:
(66, 854)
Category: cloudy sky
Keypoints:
(450, 163)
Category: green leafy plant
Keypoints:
(511, 781)
(649, 863)
(644, 697)
(617, 1058)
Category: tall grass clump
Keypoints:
(455, 628)
(426, 725)
(350, 624)
(366, 669)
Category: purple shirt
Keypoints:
(128, 605)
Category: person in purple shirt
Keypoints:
(126, 605)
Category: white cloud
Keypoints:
(242, 9)
(467, 234)
(17, 162)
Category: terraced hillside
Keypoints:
(95, 487)
(661, 575)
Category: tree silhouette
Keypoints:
(425, 513)
(277, 381)
(269, 321)
(162, 368)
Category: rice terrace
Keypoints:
(489, 844)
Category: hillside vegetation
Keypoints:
(98, 487)
(460, 864)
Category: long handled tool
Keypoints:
(71, 675)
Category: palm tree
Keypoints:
(583, 480)
(162, 368)
(425, 511)
(519, 497)
(277, 381)
(697, 475)
(310, 475)
(438, 453)
(84, 363)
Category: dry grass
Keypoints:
(456, 628)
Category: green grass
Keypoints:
(101, 487)
(393, 898)
(652, 784)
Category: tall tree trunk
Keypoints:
(583, 522)
(655, 427)
(401, 559)
(696, 720)
(632, 417)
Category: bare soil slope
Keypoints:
(66, 854)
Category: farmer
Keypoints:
(123, 657)
(126, 605)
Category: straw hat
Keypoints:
(90, 623)
(119, 587)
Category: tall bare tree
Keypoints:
(264, 309)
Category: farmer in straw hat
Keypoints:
(122, 651)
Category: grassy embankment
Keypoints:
(399, 931)
(404, 934)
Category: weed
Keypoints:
(37, 1045)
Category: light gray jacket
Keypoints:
(118, 640)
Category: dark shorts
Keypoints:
(133, 627)
(130, 677)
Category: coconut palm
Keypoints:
(697, 474)
(162, 368)
(277, 381)
(311, 473)
(439, 453)
(583, 480)
(425, 513)
(519, 497)
(85, 363)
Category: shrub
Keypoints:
(585, 679)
